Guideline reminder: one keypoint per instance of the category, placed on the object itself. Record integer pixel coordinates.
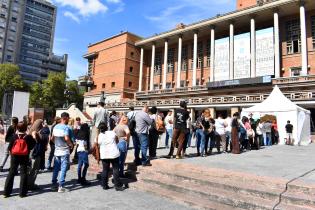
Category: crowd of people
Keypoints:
(108, 140)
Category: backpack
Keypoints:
(20, 146)
(132, 124)
(159, 125)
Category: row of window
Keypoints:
(113, 84)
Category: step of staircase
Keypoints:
(209, 188)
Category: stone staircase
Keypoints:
(209, 188)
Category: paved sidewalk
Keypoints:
(92, 197)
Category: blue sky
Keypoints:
(80, 22)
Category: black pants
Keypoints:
(17, 161)
(153, 140)
(115, 165)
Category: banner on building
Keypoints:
(242, 56)
(265, 52)
(221, 61)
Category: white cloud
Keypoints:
(188, 11)
(113, 1)
(72, 16)
(85, 7)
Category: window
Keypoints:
(170, 60)
(168, 85)
(14, 19)
(313, 30)
(155, 87)
(90, 67)
(293, 33)
(295, 71)
(184, 58)
(182, 83)
(129, 84)
(130, 68)
(198, 82)
(158, 63)
(132, 54)
(113, 84)
(103, 85)
(208, 52)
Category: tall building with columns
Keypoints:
(233, 60)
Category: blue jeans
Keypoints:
(123, 148)
(136, 146)
(143, 138)
(169, 135)
(61, 164)
(200, 137)
(267, 140)
(83, 161)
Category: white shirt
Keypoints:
(167, 120)
(220, 126)
(229, 124)
(259, 129)
(108, 145)
(81, 145)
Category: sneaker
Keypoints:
(120, 188)
(62, 190)
(54, 187)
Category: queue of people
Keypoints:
(109, 138)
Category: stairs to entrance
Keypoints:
(211, 188)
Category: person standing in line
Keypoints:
(188, 136)
(76, 128)
(289, 131)
(36, 154)
(109, 154)
(52, 145)
(220, 125)
(143, 123)
(199, 132)
(45, 133)
(100, 115)
(8, 138)
(259, 132)
(267, 128)
(135, 140)
(169, 127)
(228, 131)
(63, 145)
(234, 133)
(181, 116)
(153, 132)
(123, 133)
(20, 146)
(83, 146)
(274, 132)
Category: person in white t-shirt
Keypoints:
(228, 132)
(109, 154)
(169, 127)
(220, 126)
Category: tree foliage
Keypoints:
(10, 79)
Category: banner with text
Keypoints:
(221, 60)
(242, 56)
(265, 52)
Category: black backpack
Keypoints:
(132, 124)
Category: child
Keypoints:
(82, 143)
(107, 140)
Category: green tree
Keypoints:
(75, 93)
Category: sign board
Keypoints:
(20, 104)
(265, 52)
(221, 60)
(242, 56)
(237, 82)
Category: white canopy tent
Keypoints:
(280, 106)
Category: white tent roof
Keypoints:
(276, 102)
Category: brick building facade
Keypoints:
(184, 62)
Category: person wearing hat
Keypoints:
(181, 116)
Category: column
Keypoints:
(212, 112)
(252, 48)
(179, 61)
(212, 55)
(277, 44)
(192, 115)
(152, 67)
(194, 76)
(141, 70)
(165, 64)
(303, 40)
(231, 51)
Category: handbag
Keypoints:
(95, 151)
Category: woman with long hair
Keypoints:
(234, 133)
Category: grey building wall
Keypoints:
(35, 22)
